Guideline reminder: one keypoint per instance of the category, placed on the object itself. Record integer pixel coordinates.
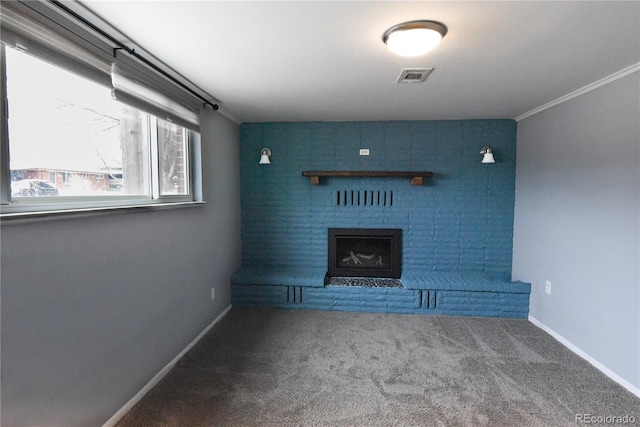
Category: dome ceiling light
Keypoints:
(414, 38)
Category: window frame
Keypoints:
(11, 207)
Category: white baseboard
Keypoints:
(163, 372)
(608, 372)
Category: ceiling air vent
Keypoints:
(414, 75)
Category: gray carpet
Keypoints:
(261, 367)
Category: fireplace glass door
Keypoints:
(364, 252)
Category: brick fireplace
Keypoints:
(456, 228)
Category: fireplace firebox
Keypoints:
(365, 252)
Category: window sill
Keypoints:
(98, 210)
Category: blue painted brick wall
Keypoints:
(383, 300)
(461, 220)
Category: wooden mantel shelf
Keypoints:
(417, 178)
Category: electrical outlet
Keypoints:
(213, 294)
(364, 151)
(547, 287)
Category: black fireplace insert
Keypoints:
(365, 252)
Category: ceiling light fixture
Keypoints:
(414, 38)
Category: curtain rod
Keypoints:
(132, 52)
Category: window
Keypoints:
(88, 122)
(71, 143)
(173, 159)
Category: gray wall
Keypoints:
(93, 307)
(576, 222)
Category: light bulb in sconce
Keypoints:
(265, 153)
(487, 154)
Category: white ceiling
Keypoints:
(325, 61)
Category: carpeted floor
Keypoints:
(261, 367)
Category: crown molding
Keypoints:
(585, 89)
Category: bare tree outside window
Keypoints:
(135, 152)
(69, 137)
(172, 156)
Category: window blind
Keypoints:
(134, 85)
(28, 29)
(42, 29)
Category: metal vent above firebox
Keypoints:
(414, 75)
(364, 198)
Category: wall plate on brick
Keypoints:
(364, 151)
(547, 287)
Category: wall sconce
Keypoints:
(265, 153)
(487, 152)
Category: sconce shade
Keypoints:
(414, 38)
(264, 160)
(488, 158)
(264, 156)
(487, 154)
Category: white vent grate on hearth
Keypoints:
(364, 198)
(414, 75)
